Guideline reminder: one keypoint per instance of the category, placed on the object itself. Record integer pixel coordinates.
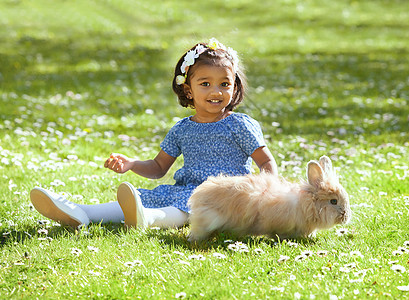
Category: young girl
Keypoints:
(209, 79)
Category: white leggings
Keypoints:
(156, 217)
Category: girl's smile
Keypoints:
(211, 88)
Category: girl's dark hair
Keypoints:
(212, 57)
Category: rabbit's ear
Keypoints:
(326, 164)
(315, 174)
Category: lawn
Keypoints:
(82, 79)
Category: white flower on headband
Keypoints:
(190, 57)
(180, 79)
(215, 44)
(200, 49)
(188, 61)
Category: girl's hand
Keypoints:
(119, 163)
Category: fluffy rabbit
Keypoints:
(267, 205)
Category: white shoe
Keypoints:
(130, 202)
(57, 208)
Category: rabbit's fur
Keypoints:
(265, 204)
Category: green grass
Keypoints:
(326, 77)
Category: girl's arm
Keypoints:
(265, 160)
(153, 168)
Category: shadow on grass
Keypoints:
(49, 67)
(172, 238)
(295, 85)
(110, 81)
(45, 232)
(319, 92)
(178, 238)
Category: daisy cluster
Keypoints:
(345, 155)
(35, 149)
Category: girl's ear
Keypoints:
(187, 90)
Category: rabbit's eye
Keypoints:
(333, 201)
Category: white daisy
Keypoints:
(300, 258)
(259, 251)
(94, 273)
(180, 295)
(196, 257)
(356, 253)
(404, 288)
(292, 244)
(283, 258)
(322, 253)
(341, 231)
(76, 251)
(238, 246)
(219, 255)
(350, 265)
(42, 231)
(307, 253)
(92, 249)
(129, 264)
(184, 262)
(398, 268)
(403, 249)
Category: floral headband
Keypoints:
(191, 55)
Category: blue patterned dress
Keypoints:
(209, 149)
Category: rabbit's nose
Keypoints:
(346, 216)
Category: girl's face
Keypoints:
(211, 88)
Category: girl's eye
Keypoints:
(225, 84)
(205, 84)
(333, 201)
